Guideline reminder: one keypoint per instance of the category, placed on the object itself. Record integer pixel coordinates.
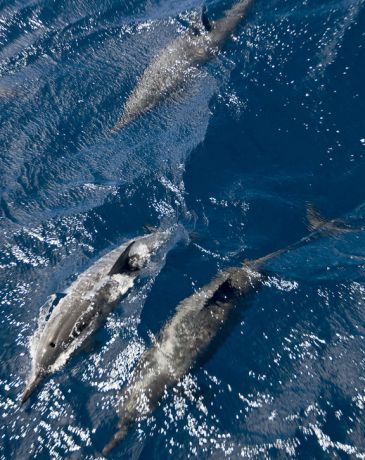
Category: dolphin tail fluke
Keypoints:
(314, 220)
(149, 228)
(317, 223)
(318, 226)
(32, 385)
(116, 439)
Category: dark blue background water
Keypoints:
(277, 120)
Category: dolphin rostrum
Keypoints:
(188, 334)
(87, 302)
(179, 60)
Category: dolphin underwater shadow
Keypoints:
(195, 326)
(178, 61)
(85, 305)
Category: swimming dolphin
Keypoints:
(188, 334)
(88, 301)
(179, 60)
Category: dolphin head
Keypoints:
(49, 352)
(50, 347)
(32, 385)
(127, 117)
(45, 357)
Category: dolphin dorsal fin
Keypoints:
(205, 20)
(121, 264)
(200, 23)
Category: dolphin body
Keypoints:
(196, 323)
(88, 301)
(179, 60)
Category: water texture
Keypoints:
(274, 122)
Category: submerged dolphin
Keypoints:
(188, 334)
(178, 61)
(88, 301)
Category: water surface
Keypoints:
(276, 121)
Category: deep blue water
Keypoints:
(274, 122)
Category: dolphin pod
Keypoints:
(199, 318)
(88, 301)
(168, 71)
(188, 334)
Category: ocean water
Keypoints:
(276, 121)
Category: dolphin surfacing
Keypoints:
(87, 303)
(197, 321)
(195, 324)
(179, 61)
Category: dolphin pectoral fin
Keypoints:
(196, 237)
(116, 439)
(121, 265)
(92, 345)
(52, 302)
(32, 385)
(57, 297)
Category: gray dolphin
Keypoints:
(188, 334)
(179, 60)
(87, 302)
